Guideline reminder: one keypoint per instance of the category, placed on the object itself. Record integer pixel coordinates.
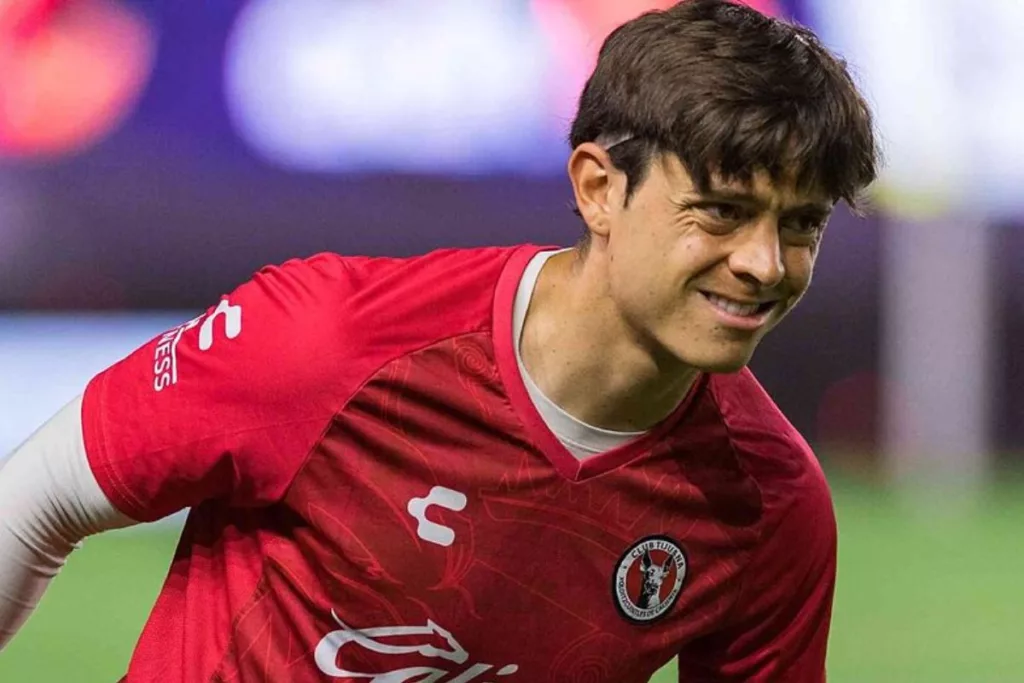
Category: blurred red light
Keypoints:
(68, 72)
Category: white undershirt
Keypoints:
(49, 502)
(50, 499)
(579, 438)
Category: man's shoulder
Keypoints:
(335, 288)
(360, 311)
(437, 267)
(331, 272)
(796, 501)
(770, 448)
(443, 293)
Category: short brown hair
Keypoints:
(729, 91)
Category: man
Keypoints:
(510, 464)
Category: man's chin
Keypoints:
(721, 361)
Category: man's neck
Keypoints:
(586, 358)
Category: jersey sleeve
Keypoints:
(226, 405)
(779, 625)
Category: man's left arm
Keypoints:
(778, 628)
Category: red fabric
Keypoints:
(315, 445)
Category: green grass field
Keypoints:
(930, 590)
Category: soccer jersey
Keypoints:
(374, 497)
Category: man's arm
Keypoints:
(49, 502)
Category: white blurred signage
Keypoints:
(946, 78)
(447, 85)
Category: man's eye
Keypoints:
(805, 225)
(724, 212)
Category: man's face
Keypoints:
(704, 276)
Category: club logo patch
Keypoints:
(648, 579)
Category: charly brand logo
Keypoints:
(648, 579)
(429, 641)
(165, 358)
(432, 531)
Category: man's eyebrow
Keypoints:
(730, 195)
(822, 208)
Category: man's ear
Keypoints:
(592, 175)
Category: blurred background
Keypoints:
(153, 155)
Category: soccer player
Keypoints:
(508, 464)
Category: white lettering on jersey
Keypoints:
(431, 531)
(232, 324)
(329, 650)
(165, 364)
(165, 359)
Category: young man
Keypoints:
(508, 464)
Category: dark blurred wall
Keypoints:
(1008, 276)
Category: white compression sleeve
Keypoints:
(49, 502)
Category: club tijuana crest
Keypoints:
(648, 579)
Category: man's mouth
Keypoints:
(743, 309)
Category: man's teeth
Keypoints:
(733, 307)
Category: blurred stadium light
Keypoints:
(450, 86)
(69, 72)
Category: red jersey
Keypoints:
(374, 497)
